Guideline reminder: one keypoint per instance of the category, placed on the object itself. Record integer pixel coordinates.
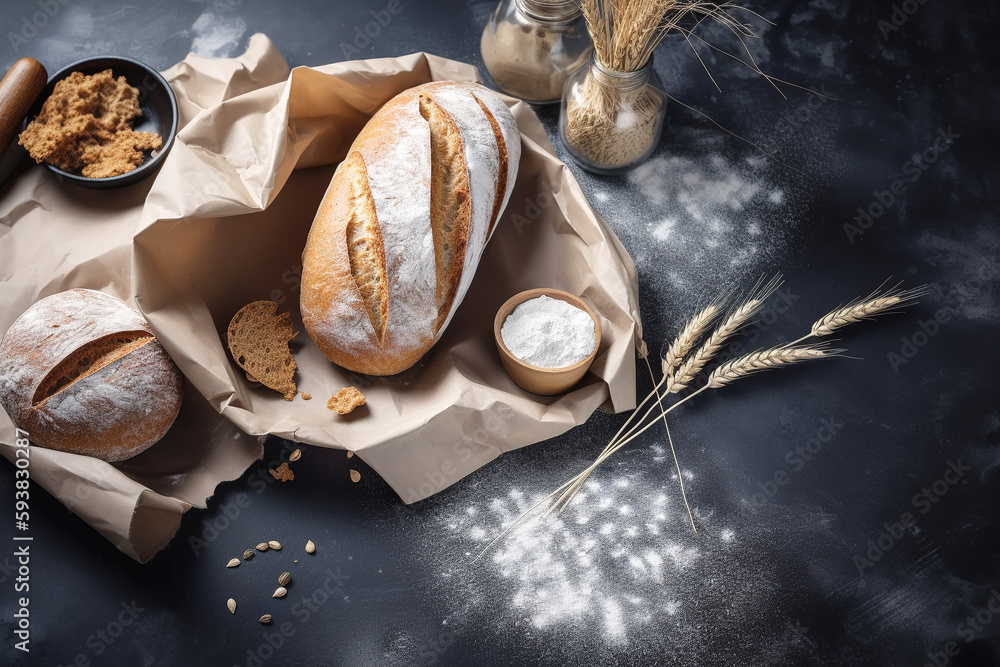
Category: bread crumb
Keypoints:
(282, 473)
(306, 397)
(346, 400)
(85, 126)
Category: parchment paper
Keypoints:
(55, 236)
(224, 224)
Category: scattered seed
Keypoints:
(280, 592)
(296, 560)
(265, 619)
(274, 544)
(262, 546)
(295, 456)
(248, 554)
(355, 476)
(284, 578)
(350, 453)
(310, 547)
(231, 603)
(233, 562)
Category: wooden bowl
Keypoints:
(538, 380)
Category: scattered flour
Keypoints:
(610, 563)
(217, 35)
(707, 224)
(620, 568)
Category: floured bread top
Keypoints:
(402, 228)
(82, 372)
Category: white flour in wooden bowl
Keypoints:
(549, 333)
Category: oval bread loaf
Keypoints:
(398, 236)
(81, 372)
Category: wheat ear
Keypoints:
(689, 370)
(689, 336)
(875, 304)
(765, 360)
(681, 346)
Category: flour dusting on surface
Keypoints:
(217, 35)
(609, 563)
(621, 564)
(711, 221)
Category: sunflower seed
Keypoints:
(248, 554)
(231, 603)
(355, 476)
(262, 546)
(275, 544)
(284, 578)
(280, 592)
(295, 456)
(233, 562)
(310, 547)
(265, 619)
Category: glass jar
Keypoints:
(530, 47)
(610, 122)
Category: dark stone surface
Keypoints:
(775, 582)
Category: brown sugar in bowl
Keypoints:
(538, 380)
(159, 115)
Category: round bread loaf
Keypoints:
(81, 372)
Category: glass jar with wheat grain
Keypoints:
(611, 121)
(530, 47)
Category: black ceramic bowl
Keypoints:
(159, 114)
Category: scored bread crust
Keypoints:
(398, 171)
(112, 409)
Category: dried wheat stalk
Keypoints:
(678, 351)
(688, 338)
(763, 360)
(738, 368)
(865, 309)
(689, 370)
(625, 32)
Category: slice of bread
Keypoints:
(258, 341)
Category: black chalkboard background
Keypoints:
(848, 510)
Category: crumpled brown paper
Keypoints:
(225, 223)
(55, 236)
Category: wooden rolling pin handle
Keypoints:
(19, 89)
